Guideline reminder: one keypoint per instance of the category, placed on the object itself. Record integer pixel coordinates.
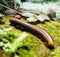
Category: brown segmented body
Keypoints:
(42, 34)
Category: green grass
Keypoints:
(31, 46)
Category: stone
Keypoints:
(51, 13)
(10, 12)
(42, 17)
(32, 19)
(27, 14)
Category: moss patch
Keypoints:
(31, 46)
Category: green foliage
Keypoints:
(43, 1)
(58, 16)
(4, 35)
(4, 2)
(1, 15)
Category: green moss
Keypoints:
(31, 46)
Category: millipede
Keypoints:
(41, 33)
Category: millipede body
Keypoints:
(42, 34)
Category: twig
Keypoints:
(9, 8)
